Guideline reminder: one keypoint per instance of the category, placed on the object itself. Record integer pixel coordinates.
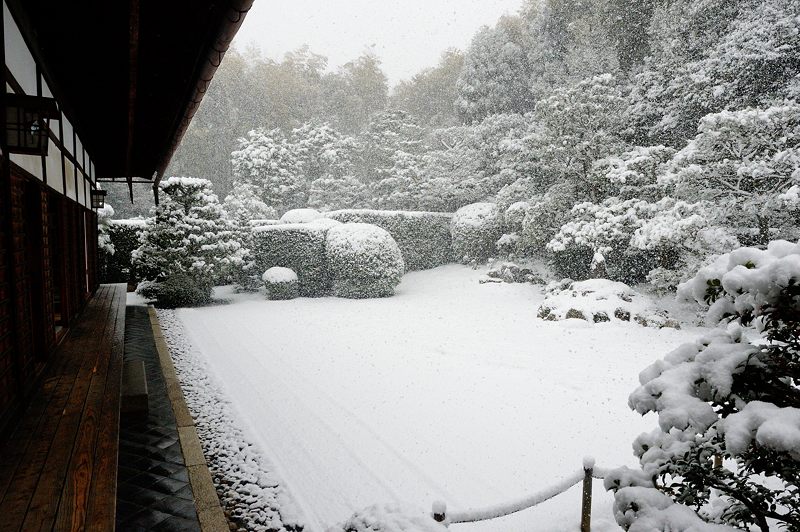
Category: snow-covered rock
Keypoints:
(364, 261)
(600, 300)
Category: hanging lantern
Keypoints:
(98, 198)
(28, 123)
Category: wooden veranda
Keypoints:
(58, 468)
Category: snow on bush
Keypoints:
(600, 300)
(123, 236)
(364, 261)
(423, 237)
(728, 440)
(389, 518)
(281, 283)
(300, 216)
(188, 239)
(300, 247)
(251, 493)
(475, 230)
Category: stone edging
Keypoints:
(209, 509)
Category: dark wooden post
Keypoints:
(439, 511)
(586, 501)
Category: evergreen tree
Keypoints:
(186, 245)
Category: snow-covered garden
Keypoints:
(577, 238)
(451, 390)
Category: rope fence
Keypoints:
(586, 474)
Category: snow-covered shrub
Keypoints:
(600, 300)
(423, 237)
(728, 440)
(682, 237)
(475, 230)
(187, 244)
(281, 283)
(300, 216)
(124, 236)
(178, 290)
(545, 216)
(104, 216)
(604, 231)
(389, 518)
(364, 261)
(300, 247)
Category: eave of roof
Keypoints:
(129, 75)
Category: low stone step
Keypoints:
(134, 389)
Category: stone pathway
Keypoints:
(153, 490)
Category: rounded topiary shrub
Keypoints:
(475, 230)
(300, 216)
(281, 283)
(364, 261)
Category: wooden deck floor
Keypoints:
(58, 469)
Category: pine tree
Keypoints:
(186, 245)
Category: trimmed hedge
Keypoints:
(423, 237)
(364, 261)
(300, 247)
(280, 283)
(475, 230)
(117, 267)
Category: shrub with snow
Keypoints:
(281, 283)
(475, 230)
(300, 216)
(300, 247)
(389, 518)
(364, 260)
(728, 440)
(123, 236)
(188, 243)
(423, 237)
(600, 300)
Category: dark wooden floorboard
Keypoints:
(69, 434)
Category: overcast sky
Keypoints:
(408, 35)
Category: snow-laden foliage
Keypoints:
(124, 236)
(580, 123)
(389, 518)
(300, 216)
(104, 216)
(475, 230)
(364, 261)
(269, 163)
(186, 245)
(300, 247)
(243, 204)
(280, 283)
(742, 161)
(728, 441)
(424, 237)
(712, 55)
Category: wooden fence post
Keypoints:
(439, 511)
(586, 500)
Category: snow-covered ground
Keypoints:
(450, 390)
